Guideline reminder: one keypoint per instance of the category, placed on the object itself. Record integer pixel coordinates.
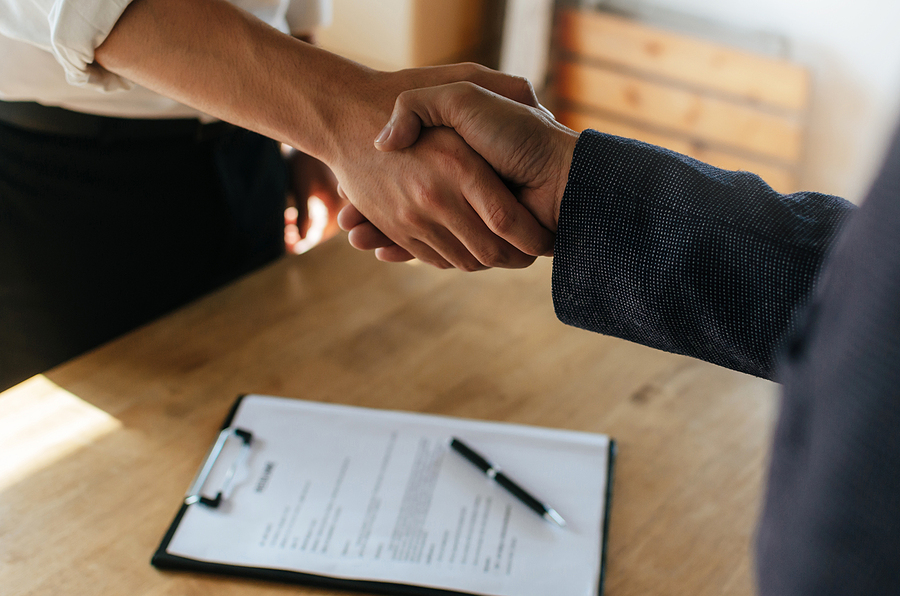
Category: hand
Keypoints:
(437, 200)
(441, 202)
(310, 178)
(524, 144)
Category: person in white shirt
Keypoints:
(123, 194)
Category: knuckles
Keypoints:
(499, 254)
(501, 221)
(523, 91)
(471, 266)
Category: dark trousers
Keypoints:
(100, 235)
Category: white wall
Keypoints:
(853, 52)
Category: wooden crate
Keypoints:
(722, 105)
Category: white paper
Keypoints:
(378, 495)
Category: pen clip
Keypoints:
(194, 494)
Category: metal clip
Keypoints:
(193, 495)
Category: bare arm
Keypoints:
(440, 201)
(213, 56)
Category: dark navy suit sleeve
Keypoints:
(831, 521)
(663, 250)
(672, 253)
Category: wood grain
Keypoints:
(781, 177)
(621, 41)
(680, 110)
(336, 326)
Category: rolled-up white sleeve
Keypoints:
(71, 30)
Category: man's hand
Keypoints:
(524, 144)
(442, 204)
(446, 206)
(438, 200)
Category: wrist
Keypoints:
(565, 142)
(349, 111)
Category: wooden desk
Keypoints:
(96, 454)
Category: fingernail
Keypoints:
(384, 134)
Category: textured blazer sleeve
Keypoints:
(672, 253)
(831, 521)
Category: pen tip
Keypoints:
(556, 518)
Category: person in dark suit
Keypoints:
(669, 252)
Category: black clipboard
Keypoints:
(163, 560)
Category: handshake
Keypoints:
(483, 195)
(507, 179)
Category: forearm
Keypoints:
(665, 251)
(438, 200)
(211, 55)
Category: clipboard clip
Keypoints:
(194, 492)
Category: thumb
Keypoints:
(404, 126)
(427, 106)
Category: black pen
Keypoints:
(506, 482)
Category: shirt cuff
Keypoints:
(76, 29)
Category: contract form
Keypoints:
(362, 495)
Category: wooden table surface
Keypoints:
(96, 454)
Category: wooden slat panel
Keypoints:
(694, 114)
(649, 50)
(782, 179)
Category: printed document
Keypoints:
(376, 495)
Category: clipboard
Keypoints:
(234, 470)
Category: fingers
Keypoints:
(392, 254)
(403, 128)
(451, 105)
(441, 248)
(454, 207)
(363, 235)
(446, 214)
(482, 247)
(506, 217)
(349, 217)
(478, 240)
(366, 236)
(518, 89)
(470, 244)
(512, 87)
(495, 227)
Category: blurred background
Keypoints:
(803, 92)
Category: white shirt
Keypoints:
(47, 53)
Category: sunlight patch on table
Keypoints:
(40, 423)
